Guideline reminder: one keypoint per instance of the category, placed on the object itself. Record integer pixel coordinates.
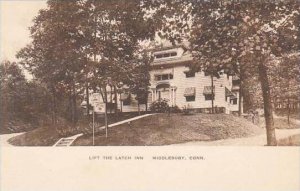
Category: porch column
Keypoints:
(173, 98)
(152, 95)
(170, 96)
(173, 95)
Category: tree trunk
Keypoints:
(270, 130)
(289, 111)
(110, 108)
(240, 94)
(147, 94)
(55, 109)
(105, 113)
(289, 108)
(212, 94)
(71, 111)
(87, 102)
(116, 100)
(53, 106)
(75, 117)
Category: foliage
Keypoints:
(160, 106)
(79, 45)
(22, 100)
(187, 110)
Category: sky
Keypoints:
(15, 19)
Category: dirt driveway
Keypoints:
(5, 137)
(259, 140)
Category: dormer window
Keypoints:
(165, 55)
(189, 74)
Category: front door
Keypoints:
(163, 91)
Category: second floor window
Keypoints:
(163, 77)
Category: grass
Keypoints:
(48, 135)
(293, 114)
(44, 136)
(282, 123)
(162, 129)
(293, 140)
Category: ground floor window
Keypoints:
(234, 101)
(127, 101)
(208, 97)
(190, 98)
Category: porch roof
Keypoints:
(230, 94)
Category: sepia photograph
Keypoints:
(178, 74)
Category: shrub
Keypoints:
(187, 110)
(160, 106)
(175, 109)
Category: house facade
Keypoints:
(172, 80)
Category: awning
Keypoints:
(191, 91)
(124, 96)
(228, 93)
(207, 90)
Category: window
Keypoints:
(235, 82)
(234, 101)
(174, 54)
(166, 55)
(190, 98)
(157, 77)
(163, 77)
(189, 74)
(127, 101)
(159, 56)
(208, 97)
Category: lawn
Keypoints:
(161, 129)
(293, 140)
(48, 135)
(281, 123)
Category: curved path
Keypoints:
(5, 137)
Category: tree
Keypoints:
(284, 80)
(21, 100)
(55, 55)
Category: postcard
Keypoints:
(149, 95)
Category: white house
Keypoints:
(172, 80)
